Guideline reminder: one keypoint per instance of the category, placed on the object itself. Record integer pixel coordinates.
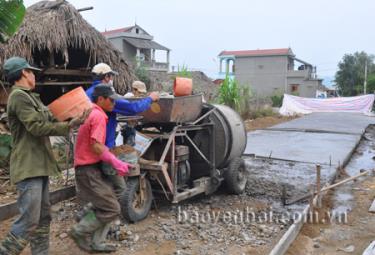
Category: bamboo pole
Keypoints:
(330, 187)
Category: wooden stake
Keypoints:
(319, 198)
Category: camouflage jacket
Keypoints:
(31, 124)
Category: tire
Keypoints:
(132, 209)
(235, 176)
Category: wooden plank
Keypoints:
(67, 72)
(288, 238)
(67, 83)
(9, 210)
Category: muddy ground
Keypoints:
(203, 225)
(265, 122)
(216, 224)
(251, 223)
(352, 228)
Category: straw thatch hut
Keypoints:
(56, 38)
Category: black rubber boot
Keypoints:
(40, 241)
(11, 245)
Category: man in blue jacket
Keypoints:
(103, 73)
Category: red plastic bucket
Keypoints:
(182, 86)
(70, 105)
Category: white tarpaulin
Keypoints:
(302, 105)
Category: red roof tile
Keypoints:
(115, 31)
(266, 52)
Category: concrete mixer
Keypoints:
(185, 148)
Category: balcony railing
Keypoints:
(158, 66)
(299, 73)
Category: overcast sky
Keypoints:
(319, 32)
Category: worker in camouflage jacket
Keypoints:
(32, 160)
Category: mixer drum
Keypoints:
(230, 135)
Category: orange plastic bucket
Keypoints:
(182, 87)
(70, 105)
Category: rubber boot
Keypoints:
(82, 232)
(12, 245)
(80, 214)
(98, 240)
(39, 241)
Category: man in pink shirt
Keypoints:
(90, 151)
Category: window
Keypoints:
(294, 88)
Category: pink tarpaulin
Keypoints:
(301, 105)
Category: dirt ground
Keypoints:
(163, 234)
(265, 122)
(335, 238)
(355, 231)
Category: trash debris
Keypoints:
(347, 249)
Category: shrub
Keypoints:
(229, 93)
(277, 100)
(183, 72)
(142, 74)
(260, 113)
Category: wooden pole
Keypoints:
(318, 168)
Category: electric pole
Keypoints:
(365, 82)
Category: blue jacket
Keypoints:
(123, 107)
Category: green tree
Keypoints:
(12, 13)
(371, 83)
(143, 75)
(351, 74)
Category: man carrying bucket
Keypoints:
(103, 74)
(32, 160)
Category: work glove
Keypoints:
(77, 121)
(121, 167)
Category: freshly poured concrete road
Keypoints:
(319, 138)
(340, 122)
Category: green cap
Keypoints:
(15, 64)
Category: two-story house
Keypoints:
(138, 46)
(270, 71)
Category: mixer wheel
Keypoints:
(235, 176)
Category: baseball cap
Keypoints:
(140, 86)
(103, 68)
(105, 91)
(14, 64)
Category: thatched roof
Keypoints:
(57, 27)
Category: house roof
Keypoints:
(116, 31)
(55, 27)
(264, 52)
(122, 30)
(145, 44)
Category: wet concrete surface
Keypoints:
(320, 138)
(340, 122)
(282, 159)
(317, 148)
(269, 177)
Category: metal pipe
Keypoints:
(204, 116)
(197, 149)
